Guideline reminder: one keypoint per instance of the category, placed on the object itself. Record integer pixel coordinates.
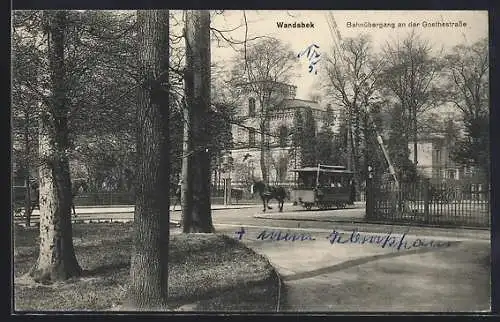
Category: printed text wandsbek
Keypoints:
(282, 24)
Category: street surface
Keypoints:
(321, 276)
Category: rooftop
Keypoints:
(292, 103)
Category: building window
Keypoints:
(438, 156)
(283, 136)
(240, 136)
(251, 106)
(251, 137)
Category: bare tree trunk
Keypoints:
(148, 288)
(357, 151)
(187, 146)
(350, 143)
(28, 204)
(263, 156)
(415, 137)
(56, 260)
(199, 217)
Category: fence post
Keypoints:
(369, 196)
(426, 198)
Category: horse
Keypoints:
(267, 193)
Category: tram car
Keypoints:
(324, 187)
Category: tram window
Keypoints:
(336, 182)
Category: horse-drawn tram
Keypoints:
(323, 186)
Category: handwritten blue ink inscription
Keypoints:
(385, 241)
(286, 236)
(240, 233)
(312, 55)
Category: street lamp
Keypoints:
(227, 167)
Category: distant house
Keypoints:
(433, 151)
(246, 137)
(435, 162)
(434, 158)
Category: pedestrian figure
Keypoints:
(352, 196)
(178, 193)
(35, 195)
(79, 186)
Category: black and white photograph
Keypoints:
(238, 161)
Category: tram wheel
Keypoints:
(308, 206)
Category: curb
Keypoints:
(277, 275)
(97, 221)
(372, 222)
(127, 211)
(280, 287)
(19, 218)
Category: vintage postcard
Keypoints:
(250, 161)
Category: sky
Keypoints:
(264, 22)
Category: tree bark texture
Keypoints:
(264, 127)
(28, 204)
(187, 146)
(415, 137)
(148, 287)
(56, 260)
(263, 156)
(197, 218)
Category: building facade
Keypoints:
(282, 156)
(434, 159)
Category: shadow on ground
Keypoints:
(452, 279)
(213, 271)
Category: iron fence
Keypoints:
(423, 202)
(125, 198)
(88, 199)
(104, 199)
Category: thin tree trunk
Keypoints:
(187, 146)
(148, 288)
(199, 218)
(357, 151)
(350, 144)
(263, 127)
(415, 138)
(56, 260)
(263, 156)
(28, 204)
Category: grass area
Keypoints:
(214, 271)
